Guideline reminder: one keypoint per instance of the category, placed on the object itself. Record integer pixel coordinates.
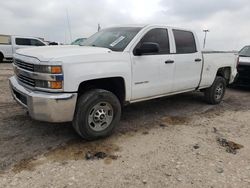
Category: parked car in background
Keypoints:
(9, 44)
(50, 43)
(53, 43)
(78, 41)
(117, 66)
(243, 67)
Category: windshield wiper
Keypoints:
(244, 55)
(88, 45)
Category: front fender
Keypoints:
(76, 73)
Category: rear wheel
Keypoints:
(97, 114)
(216, 92)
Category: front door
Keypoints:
(152, 74)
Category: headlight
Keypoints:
(57, 83)
(49, 84)
(50, 69)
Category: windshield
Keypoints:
(245, 51)
(115, 39)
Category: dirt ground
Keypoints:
(177, 141)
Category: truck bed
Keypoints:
(215, 60)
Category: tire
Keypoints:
(97, 114)
(216, 92)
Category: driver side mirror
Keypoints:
(147, 48)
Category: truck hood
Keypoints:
(50, 53)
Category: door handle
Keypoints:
(198, 60)
(169, 61)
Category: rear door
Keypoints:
(188, 61)
(153, 73)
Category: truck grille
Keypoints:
(26, 80)
(24, 65)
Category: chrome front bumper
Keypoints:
(49, 107)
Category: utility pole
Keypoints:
(205, 38)
(99, 27)
(69, 26)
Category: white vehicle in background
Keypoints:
(117, 66)
(9, 44)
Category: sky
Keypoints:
(65, 20)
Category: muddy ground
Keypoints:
(176, 141)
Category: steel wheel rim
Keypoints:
(219, 91)
(100, 116)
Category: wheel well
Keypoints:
(116, 85)
(224, 72)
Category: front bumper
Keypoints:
(49, 107)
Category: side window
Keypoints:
(23, 41)
(35, 42)
(159, 36)
(184, 41)
(5, 40)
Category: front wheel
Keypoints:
(97, 114)
(216, 92)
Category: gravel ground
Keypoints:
(176, 141)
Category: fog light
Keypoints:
(56, 85)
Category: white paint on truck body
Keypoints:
(145, 77)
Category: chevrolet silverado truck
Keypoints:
(88, 84)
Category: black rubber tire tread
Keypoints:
(210, 92)
(84, 104)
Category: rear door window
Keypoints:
(23, 41)
(5, 40)
(184, 41)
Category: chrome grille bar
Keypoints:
(26, 80)
(24, 65)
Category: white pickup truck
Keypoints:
(9, 44)
(88, 84)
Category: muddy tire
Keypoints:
(97, 114)
(216, 92)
